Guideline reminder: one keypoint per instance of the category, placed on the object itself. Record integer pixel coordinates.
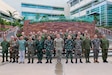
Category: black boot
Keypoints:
(32, 61)
(10, 60)
(2, 61)
(72, 61)
(106, 61)
(81, 61)
(28, 61)
(41, 61)
(2, 57)
(6, 57)
(50, 61)
(17, 61)
(13, 60)
(47, 61)
(86, 60)
(38, 62)
(66, 61)
(75, 60)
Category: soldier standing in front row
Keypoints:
(13, 50)
(69, 48)
(86, 47)
(95, 46)
(30, 46)
(104, 46)
(49, 47)
(11, 47)
(78, 49)
(58, 45)
(39, 47)
(5, 45)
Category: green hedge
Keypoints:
(3, 29)
(62, 20)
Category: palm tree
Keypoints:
(12, 16)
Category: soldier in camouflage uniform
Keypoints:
(104, 46)
(30, 46)
(95, 46)
(78, 49)
(11, 48)
(5, 45)
(14, 50)
(49, 47)
(58, 45)
(86, 47)
(69, 48)
(39, 47)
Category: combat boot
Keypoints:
(66, 61)
(13, 60)
(81, 61)
(72, 61)
(75, 60)
(47, 61)
(50, 61)
(28, 61)
(32, 61)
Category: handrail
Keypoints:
(105, 31)
(7, 32)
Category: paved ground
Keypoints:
(57, 69)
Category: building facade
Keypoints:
(4, 8)
(101, 10)
(36, 9)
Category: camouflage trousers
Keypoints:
(96, 53)
(48, 54)
(30, 55)
(14, 55)
(69, 53)
(78, 54)
(39, 55)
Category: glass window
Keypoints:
(32, 16)
(42, 7)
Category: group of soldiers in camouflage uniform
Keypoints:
(50, 42)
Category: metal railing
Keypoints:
(104, 31)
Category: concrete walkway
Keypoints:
(57, 69)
